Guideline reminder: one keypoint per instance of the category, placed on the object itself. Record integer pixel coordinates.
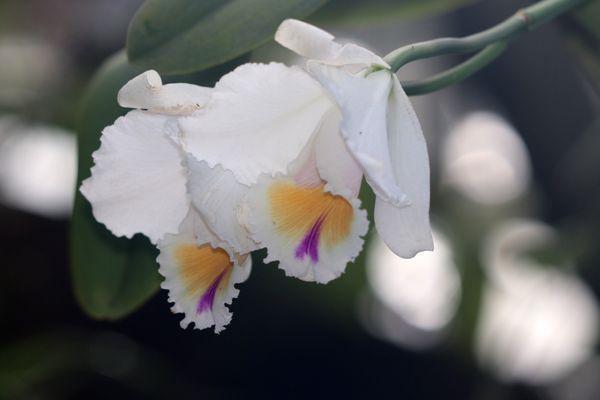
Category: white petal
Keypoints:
(200, 278)
(363, 103)
(334, 162)
(406, 230)
(146, 91)
(316, 44)
(312, 233)
(259, 119)
(217, 196)
(138, 181)
(304, 169)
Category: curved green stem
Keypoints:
(526, 19)
(455, 74)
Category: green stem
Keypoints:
(526, 19)
(457, 73)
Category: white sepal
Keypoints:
(146, 91)
(407, 230)
(316, 44)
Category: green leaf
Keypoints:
(364, 12)
(112, 276)
(182, 36)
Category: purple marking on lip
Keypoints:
(310, 244)
(208, 298)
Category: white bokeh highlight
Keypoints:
(485, 159)
(38, 168)
(423, 291)
(537, 323)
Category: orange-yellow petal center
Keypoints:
(310, 214)
(204, 271)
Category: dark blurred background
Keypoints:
(506, 307)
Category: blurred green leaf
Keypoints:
(112, 276)
(42, 366)
(361, 12)
(182, 36)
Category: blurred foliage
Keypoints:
(29, 370)
(364, 12)
(182, 36)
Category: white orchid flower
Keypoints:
(302, 141)
(141, 183)
(380, 128)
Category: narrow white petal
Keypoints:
(138, 183)
(259, 119)
(146, 91)
(335, 164)
(218, 198)
(313, 234)
(363, 103)
(306, 40)
(406, 230)
(200, 278)
(316, 44)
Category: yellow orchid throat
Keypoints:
(311, 216)
(205, 271)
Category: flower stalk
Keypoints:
(490, 43)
